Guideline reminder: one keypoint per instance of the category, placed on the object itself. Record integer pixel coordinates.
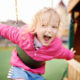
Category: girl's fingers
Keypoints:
(71, 49)
(74, 51)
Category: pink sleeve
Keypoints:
(65, 54)
(10, 33)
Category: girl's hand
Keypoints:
(74, 51)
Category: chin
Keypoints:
(45, 44)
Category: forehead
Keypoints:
(50, 18)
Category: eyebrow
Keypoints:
(55, 26)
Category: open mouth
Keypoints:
(46, 37)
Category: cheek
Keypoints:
(55, 31)
(39, 34)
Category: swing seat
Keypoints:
(28, 60)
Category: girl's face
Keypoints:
(48, 28)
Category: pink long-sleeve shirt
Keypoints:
(26, 42)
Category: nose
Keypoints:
(49, 31)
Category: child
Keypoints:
(35, 45)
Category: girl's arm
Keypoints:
(66, 53)
(10, 33)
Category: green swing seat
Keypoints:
(27, 59)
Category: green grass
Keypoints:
(54, 69)
(5, 55)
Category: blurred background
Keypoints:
(26, 10)
(23, 12)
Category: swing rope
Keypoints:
(51, 3)
(16, 11)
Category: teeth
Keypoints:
(47, 36)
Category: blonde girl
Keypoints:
(36, 44)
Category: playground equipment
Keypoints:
(73, 70)
(64, 21)
(74, 31)
(74, 39)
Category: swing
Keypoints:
(36, 64)
(27, 60)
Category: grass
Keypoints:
(54, 69)
(5, 54)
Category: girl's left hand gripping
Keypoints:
(74, 51)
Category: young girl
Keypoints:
(35, 45)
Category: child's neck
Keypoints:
(37, 42)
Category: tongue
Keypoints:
(46, 38)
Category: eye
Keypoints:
(54, 27)
(43, 25)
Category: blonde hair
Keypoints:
(37, 20)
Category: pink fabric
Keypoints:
(26, 42)
(15, 61)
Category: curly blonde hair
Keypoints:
(37, 20)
